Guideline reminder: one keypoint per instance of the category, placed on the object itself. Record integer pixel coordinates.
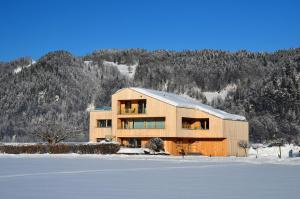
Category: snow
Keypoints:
(90, 107)
(20, 68)
(219, 94)
(181, 101)
(124, 150)
(272, 152)
(127, 70)
(56, 98)
(139, 176)
(88, 63)
(107, 142)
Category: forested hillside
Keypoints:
(63, 87)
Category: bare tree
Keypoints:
(279, 143)
(256, 147)
(54, 132)
(244, 144)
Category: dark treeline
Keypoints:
(62, 86)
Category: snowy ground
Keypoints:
(219, 94)
(140, 176)
(127, 70)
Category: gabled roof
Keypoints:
(184, 102)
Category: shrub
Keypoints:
(155, 144)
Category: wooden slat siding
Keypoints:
(213, 147)
(95, 132)
(207, 147)
(236, 131)
(170, 146)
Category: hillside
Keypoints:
(264, 87)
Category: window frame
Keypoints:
(106, 122)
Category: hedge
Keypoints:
(101, 148)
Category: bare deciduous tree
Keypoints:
(279, 143)
(244, 144)
(256, 147)
(54, 132)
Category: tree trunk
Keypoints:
(279, 155)
(245, 152)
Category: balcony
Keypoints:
(195, 123)
(132, 107)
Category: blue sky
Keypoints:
(35, 27)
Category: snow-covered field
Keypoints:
(141, 176)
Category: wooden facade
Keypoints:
(138, 116)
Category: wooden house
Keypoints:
(138, 114)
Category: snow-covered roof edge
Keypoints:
(184, 102)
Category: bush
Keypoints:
(59, 148)
(109, 148)
(155, 144)
(101, 148)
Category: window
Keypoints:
(126, 124)
(160, 123)
(104, 123)
(142, 123)
(195, 123)
(138, 123)
(150, 124)
(108, 123)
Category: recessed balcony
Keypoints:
(127, 107)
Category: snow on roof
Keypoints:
(184, 102)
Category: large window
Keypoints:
(138, 123)
(143, 123)
(104, 123)
(195, 123)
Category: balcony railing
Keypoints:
(132, 111)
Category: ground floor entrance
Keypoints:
(191, 146)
